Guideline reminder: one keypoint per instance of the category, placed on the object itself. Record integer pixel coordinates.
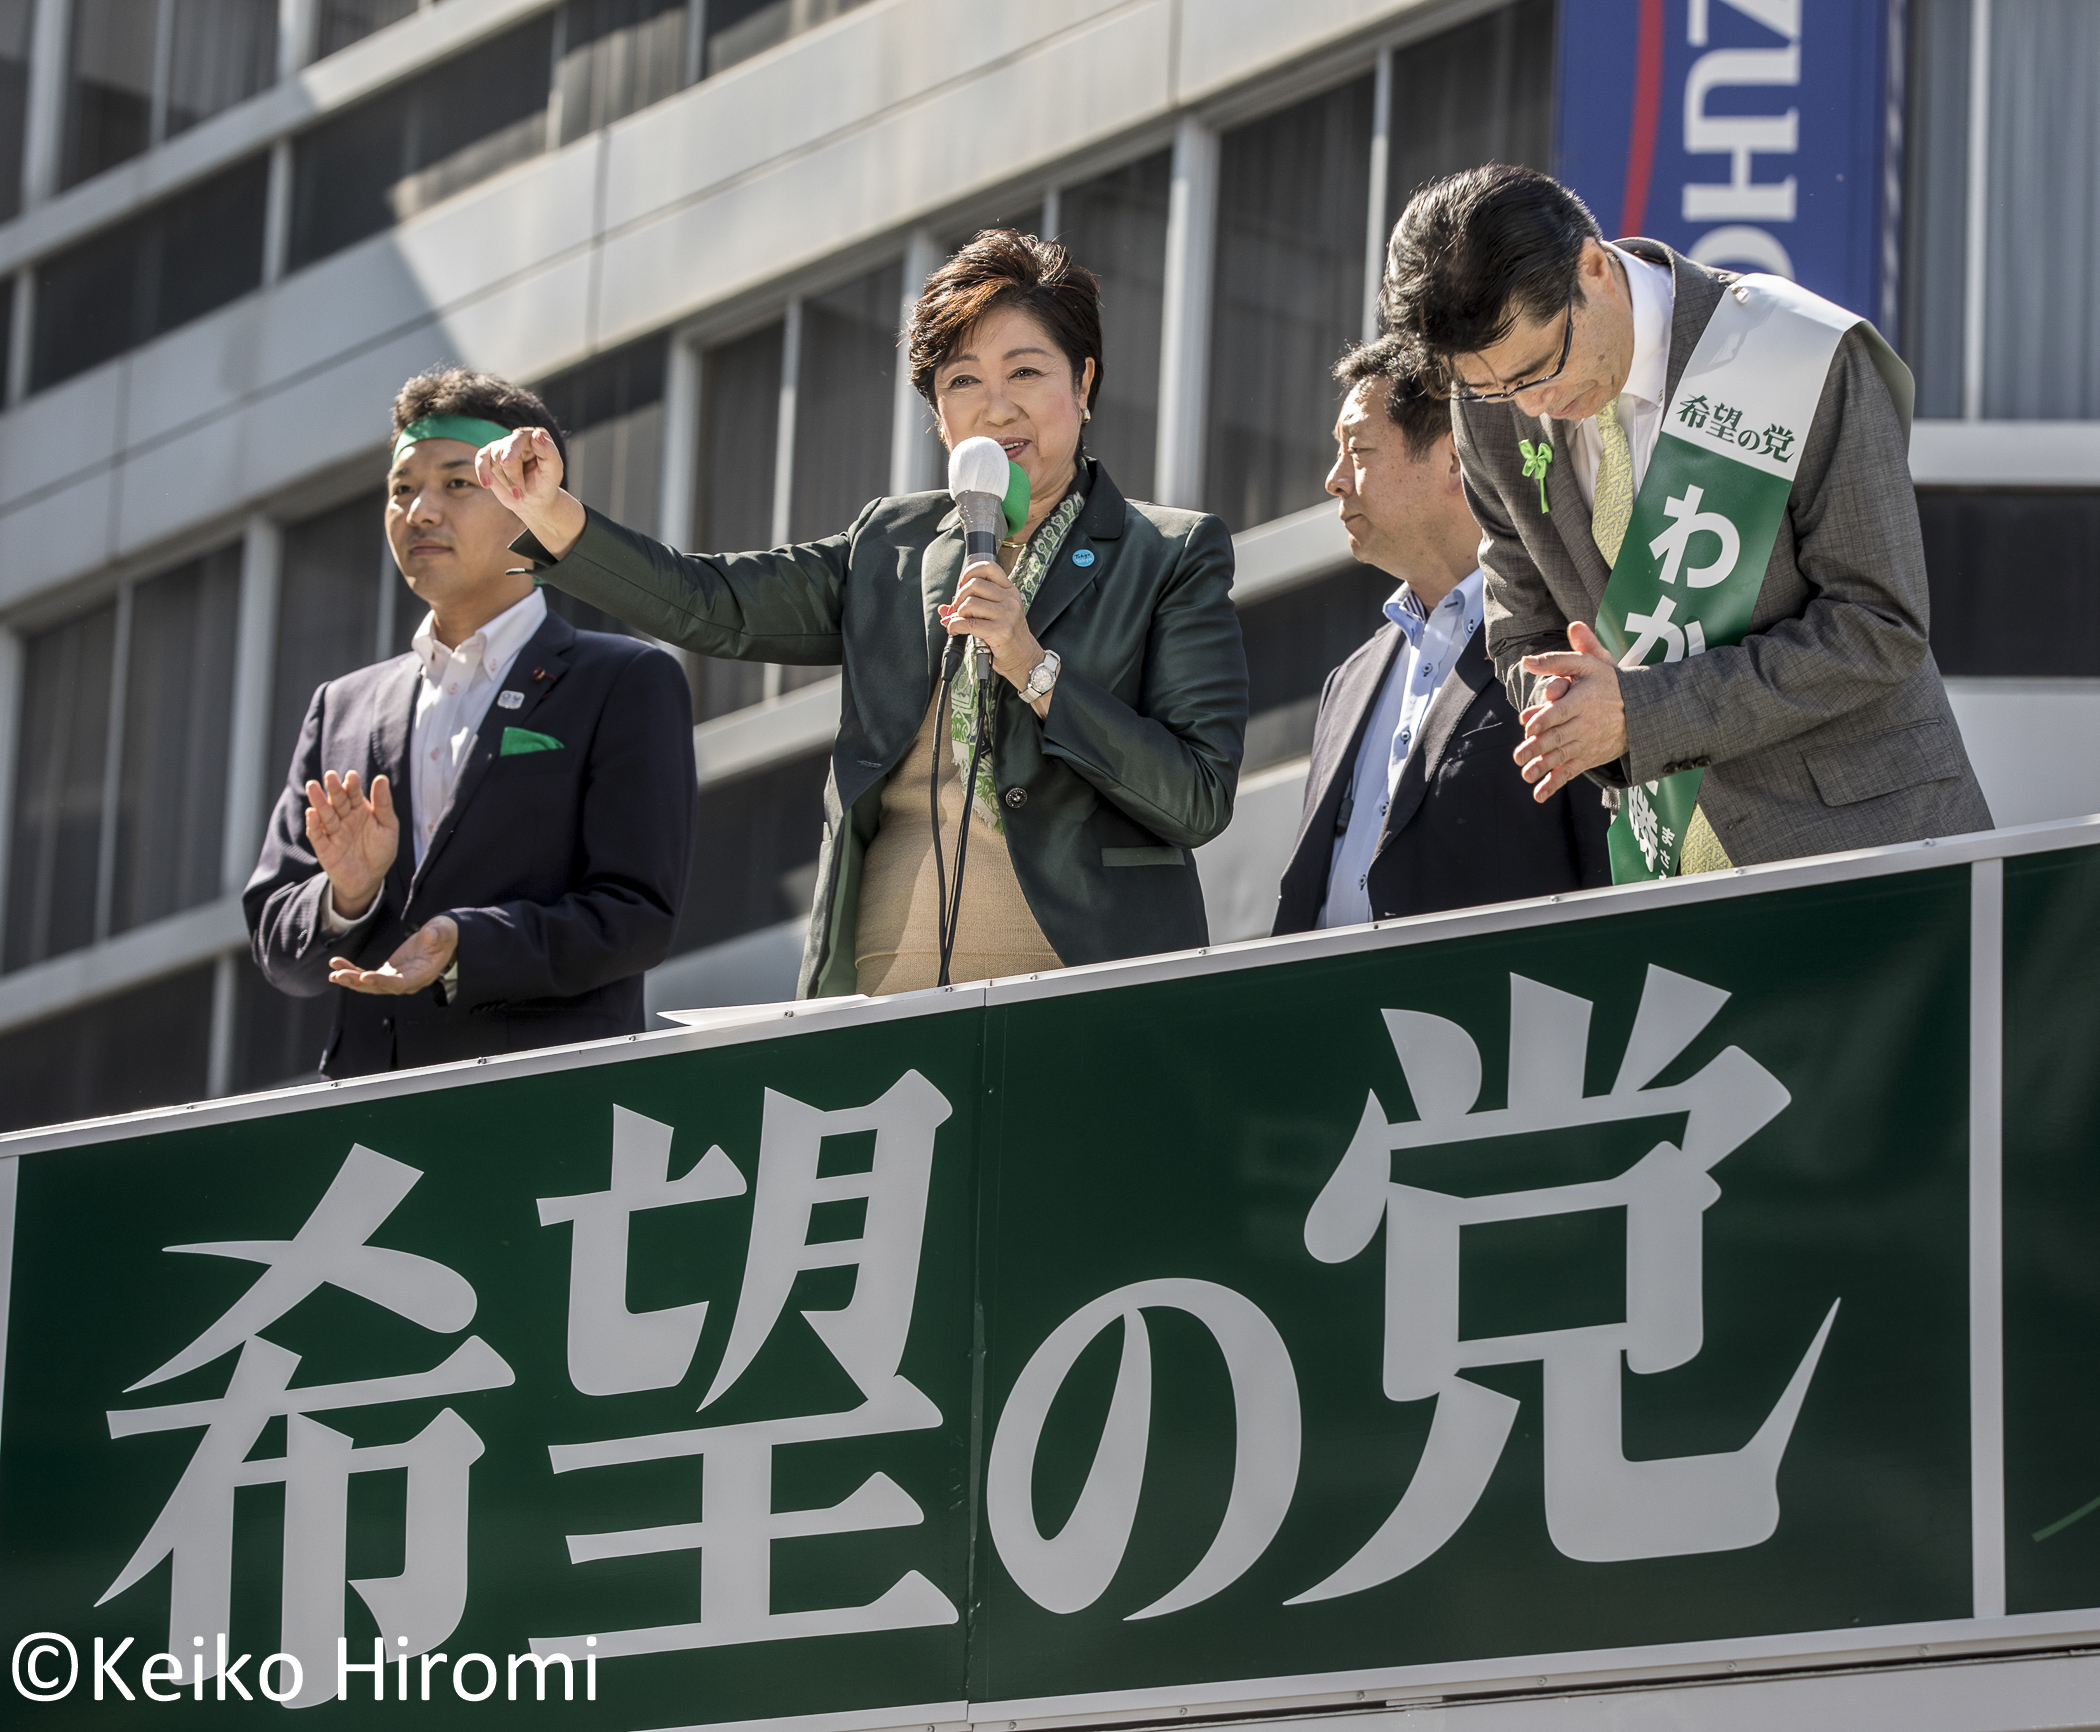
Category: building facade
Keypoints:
(230, 228)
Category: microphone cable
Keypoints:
(948, 907)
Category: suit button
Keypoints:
(387, 1023)
(1017, 798)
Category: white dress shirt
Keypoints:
(452, 699)
(1434, 643)
(1654, 294)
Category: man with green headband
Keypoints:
(482, 844)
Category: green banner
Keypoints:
(1540, 1292)
(1706, 517)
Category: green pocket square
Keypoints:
(516, 740)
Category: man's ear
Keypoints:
(1453, 482)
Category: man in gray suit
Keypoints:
(1826, 727)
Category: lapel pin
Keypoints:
(1537, 459)
(510, 700)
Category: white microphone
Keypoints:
(978, 473)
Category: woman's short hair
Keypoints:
(459, 391)
(1005, 268)
(1473, 251)
(1420, 412)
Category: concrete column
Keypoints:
(1374, 222)
(915, 453)
(295, 35)
(248, 774)
(277, 212)
(681, 450)
(1184, 347)
(44, 141)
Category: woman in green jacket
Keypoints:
(1118, 697)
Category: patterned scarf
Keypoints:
(1028, 574)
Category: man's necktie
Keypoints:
(1611, 512)
(1614, 502)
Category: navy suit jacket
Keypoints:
(1463, 828)
(564, 868)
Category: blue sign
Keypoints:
(1748, 134)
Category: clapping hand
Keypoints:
(1582, 721)
(354, 838)
(424, 955)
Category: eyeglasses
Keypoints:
(1466, 394)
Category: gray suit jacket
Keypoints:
(1827, 727)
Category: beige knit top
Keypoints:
(896, 937)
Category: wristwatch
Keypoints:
(1042, 677)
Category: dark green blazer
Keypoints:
(1134, 767)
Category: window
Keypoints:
(845, 402)
(733, 492)
(278, 1040)
(149, 1047)
(1293, 206)
(1294, 641)
(1935, 203)
(129, 284)
(120, 781)
(171, 782)
(341, 605)
(142, 71)
(1983, 548)
(60, 767)
(2038, 209)
(1480, 93)
(611, 411)
(738, 29)
(16, 17)
(755, 854)
(616, 56)
(338, 23)
(368, 168)
(1116, 226)
(834, 358)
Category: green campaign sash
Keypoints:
(1707, 513)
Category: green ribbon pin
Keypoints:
(1537, 459)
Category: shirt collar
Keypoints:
(1653, 292)
(493, 648)
(1405, 608)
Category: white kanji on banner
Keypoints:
(1600, 1507)
(612, 1350)
(420, 1607)
(737, 1523)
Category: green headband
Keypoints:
(469, 429)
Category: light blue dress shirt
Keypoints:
(1434, 643)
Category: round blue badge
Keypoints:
(1085, 556)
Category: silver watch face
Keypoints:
(1043, 675)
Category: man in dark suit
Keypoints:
(1412, 804)
(482, 844)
